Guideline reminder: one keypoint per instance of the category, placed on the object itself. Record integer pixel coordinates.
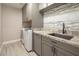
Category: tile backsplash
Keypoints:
(69, 14)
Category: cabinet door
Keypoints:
(62, 52)
(47, 49)
(24, 14)
(37, 44)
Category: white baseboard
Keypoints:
(8, 42)
(12, 41)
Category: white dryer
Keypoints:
(27, 39)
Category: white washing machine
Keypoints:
(27, 39)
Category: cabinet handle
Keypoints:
(53, 50)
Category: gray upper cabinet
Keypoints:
(27, 12)
(37, 44)
(44, 5)
(31, 12)
(50, 6)
(24, 13)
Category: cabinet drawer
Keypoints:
(48, 40)
(62, 52)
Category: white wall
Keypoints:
(0, 26)
(12, 23)
(69, 15)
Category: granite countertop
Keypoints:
(74, 41)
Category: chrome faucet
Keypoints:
(63, 28)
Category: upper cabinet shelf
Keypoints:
(50, 6)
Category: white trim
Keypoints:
(8, 42)
(12, 41)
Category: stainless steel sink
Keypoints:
(68, 37)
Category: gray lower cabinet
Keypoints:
(45, 46)
(47, 49)
(61, 52)
(51, 48)
(37, 43)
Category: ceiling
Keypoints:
(15, 5)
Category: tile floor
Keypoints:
(15, 49)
